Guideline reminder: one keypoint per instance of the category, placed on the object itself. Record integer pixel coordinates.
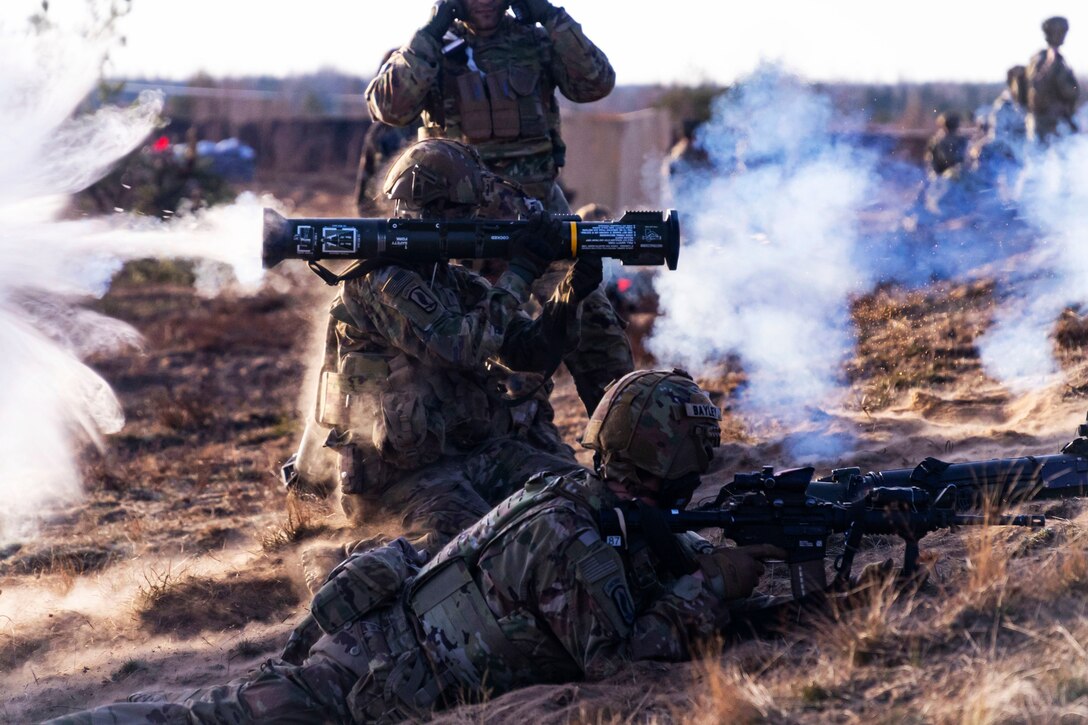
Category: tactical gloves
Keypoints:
(734, 573)
(534, 246)
(529, 12)
(442, 17)
(585, 276)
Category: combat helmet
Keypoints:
(1055, 28)
(435, 173)
(657, 422)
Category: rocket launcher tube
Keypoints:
(649, 238)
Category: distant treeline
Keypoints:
(329, 94)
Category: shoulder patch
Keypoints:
(407, 292)
(422, 298)
(397, 281)
(616, 589)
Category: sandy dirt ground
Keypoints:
(179, 567)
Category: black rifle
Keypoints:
(770, 508)
(974, 483)
(649, 238)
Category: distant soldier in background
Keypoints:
(1052, 86)
(995, 159)
(686, 155)
(684, 170)
(481, 76)
(381, 144)
(947, 149)
(1008, 117)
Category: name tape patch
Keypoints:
(703, 410)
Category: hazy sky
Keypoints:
(647, 40)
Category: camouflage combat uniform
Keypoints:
(412, 391)
(946, 151)
(530, 594)
(1052, 94)
(381, 144)
(996, 158)
(498, 94)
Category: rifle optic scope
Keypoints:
(649, 238)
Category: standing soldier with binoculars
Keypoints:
(486, 78)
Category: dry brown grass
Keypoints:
(722, 693)
(920, 339)
(300, 522)
(186, 604)
(15, 650)
(62, 565)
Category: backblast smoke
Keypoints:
(51, 400)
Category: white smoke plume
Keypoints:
(51, 401)
(1018, 349)
(769, 259)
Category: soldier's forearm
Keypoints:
(539, 345)
(582, 70)
(396, 95)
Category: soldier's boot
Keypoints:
(148, 697)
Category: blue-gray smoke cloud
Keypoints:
(1053, 273)
(785, 219)
(771, 223)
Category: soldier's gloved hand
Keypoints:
(734, 573)
(535, 246)
(585, 276)
(529, 12)
(442, 17)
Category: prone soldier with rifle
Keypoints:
(570, 578)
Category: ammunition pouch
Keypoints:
(346, 396)
(363, 582)
(407, 693)
(362, 474)
(504, 105)
(532, 121)
(352, 471)
(505, 118)
(468, 415)
(523, 415)
(406, 434)
(450, 601)
(399, 684)
(474, 107)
